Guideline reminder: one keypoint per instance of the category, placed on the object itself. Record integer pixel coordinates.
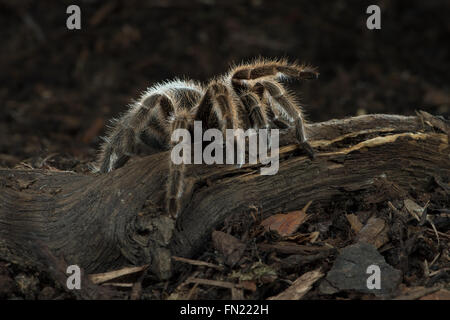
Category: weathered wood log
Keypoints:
(102, 222)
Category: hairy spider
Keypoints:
(250, 95)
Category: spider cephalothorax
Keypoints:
(248, 96)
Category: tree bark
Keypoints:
(106, 221)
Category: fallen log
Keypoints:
(107, 221)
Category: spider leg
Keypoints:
(217, 106)
(272, 69)
(254, 115)
(255, 109)
(203, 111)
(273, 114)
(283, 104)
(268, 72)
(117, 149)
(175, 180)
(151, 121)
(145, 122)
(217, 109)
(258, 112)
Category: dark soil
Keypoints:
(59, 88)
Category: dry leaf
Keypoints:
(413, 208)
(231, 248)
(354, 222)
(374, 232)
(286, 224)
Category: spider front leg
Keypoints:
(217, 109)
(175, 180)
(282, 104)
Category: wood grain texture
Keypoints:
(107, 221)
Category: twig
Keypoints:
(103, 277)
(197, 263)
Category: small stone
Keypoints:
(350, 271)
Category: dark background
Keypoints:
(60, 87)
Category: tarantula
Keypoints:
(248, 96)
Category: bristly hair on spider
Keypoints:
(249, 95)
